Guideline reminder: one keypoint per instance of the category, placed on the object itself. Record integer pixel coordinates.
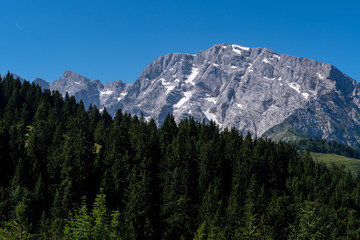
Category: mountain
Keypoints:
(78, 86)
(42, 83)
(112, 93)
(14, 75)
(90, 92)
(251, 89)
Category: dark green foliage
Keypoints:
(19, 227)
(314, 222)
(95, 224)
(323, 146)
(180, 181)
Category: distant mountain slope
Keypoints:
(42, 83)
(79, 86)
(14, 75)
(251, 89)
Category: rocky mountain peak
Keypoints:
(98, 84)
(79, 86)
(251, 89)
(74, 78)
(42, 83)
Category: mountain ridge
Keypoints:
(251, 89)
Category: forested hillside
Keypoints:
(67, 172)
(323, 146)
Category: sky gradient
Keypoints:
(116, 40)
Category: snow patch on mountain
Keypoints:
(305, 95)
(210, 116)
(238, 48)
(106, 92)
(168, 85)
(122, 95)
(192, 76)
(187, 96)
(295, 86)
(211, 99)
(265, 60)
(321, 76)
(235, 86)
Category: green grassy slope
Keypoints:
(352, 164)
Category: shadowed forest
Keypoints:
(67, 172)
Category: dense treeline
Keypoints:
(319, 145)
(71, 173)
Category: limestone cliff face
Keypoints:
(251, 89)
(80, 87)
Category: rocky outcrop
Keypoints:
(251, 89)
(80, 87)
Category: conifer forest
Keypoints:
(71, 172)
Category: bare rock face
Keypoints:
(334, 114)
(80, 87)
(112, 94)
(42, 83)
(251, 89)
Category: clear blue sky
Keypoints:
(112, 40)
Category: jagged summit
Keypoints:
(251, 89)
(42, 83)
(212, 85)
(79, 86)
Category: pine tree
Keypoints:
(18, 228)
(313, 223)
(138, 205)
